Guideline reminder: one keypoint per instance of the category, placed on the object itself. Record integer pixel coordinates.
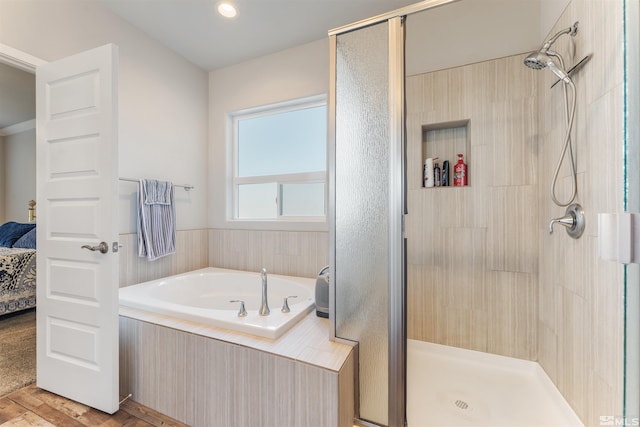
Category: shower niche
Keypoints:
(445, 141)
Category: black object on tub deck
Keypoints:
(322, 293)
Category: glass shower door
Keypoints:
(367, 258)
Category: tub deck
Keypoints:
(306, 342)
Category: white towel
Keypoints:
(156, 219)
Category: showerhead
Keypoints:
(539, 60)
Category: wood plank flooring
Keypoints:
(31, 406)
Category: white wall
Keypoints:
(163, 98)
(19, 174)
(290, 74)
(2, 174)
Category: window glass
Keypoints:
(280, 162)
(257, 201)
(283, 143)
(302, 199)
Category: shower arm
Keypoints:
(572, 30)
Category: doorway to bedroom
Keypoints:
(17, 219)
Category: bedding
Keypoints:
(17, 279)
(28, 241)
(10, 232)
(17, 267)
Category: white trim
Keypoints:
(18, 128)
(281, 107)
(309, 177)
(19, 59)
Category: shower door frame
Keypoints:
(397, 336)
(631, 384)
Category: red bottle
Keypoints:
(460, 173)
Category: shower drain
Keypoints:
(461, 404)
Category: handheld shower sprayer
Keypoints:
(539, 60)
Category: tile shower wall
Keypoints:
(473, 251)
(191, 254)
(292, 253)
(580, 316)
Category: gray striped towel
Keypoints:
(156, 219)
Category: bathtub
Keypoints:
(203, 296)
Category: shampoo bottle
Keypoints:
(460, 173)
(436, 173)
(428, 173)
(445, 173)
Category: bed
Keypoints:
(17, 267)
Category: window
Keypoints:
(280, 162)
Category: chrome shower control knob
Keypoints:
(573, 220)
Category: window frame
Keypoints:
(280, 221)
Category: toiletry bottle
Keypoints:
(428, 173)
(460, 173)
(445, 173)
(436, 173)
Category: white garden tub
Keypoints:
(203, 296)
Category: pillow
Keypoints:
(10, 232)
(28, 241)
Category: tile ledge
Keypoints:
(306, 342)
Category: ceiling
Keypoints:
(465, 31)
(195, 30)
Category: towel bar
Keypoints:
(186, 187)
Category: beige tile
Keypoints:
(231, 379)
(192, 253)
(512, 307)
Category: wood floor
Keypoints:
(31, 406)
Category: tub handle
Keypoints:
(285, 305)
(243, 311)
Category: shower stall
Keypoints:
(471, 274)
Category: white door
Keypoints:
(77, 173)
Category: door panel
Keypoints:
(77, 315)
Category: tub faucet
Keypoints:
(264, 306)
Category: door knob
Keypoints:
(102, 247)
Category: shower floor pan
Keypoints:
(448, 386)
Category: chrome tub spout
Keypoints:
(264, 306)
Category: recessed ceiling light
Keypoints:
(227, 9)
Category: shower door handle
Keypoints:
(103, 248)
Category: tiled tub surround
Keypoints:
(191, 254)
(205, 376)
(291, 253)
